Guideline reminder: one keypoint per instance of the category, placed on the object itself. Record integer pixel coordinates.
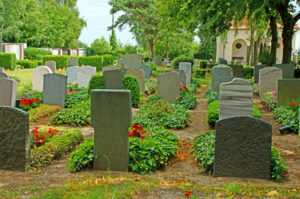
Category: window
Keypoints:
(238, 45)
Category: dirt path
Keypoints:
(181, 168)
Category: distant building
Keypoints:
(236, 46)
(17, 48)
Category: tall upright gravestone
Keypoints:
(288, 70)
(38, 77)
(108, 68)
(256, 72)
(72, 74)
(111, 118)
(243, 148)
(55, 89)
(187, 68)
(235, 98)
(288, 91)
(133, 61)
(169, 86)
(140, 75)
(8, 89)
(113, 79)
(51, 65)
(14, 142)
(268, 79)
(182, 76)
(220, 74)
(84, 74)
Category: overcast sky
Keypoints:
(98, 18)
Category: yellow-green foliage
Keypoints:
(8, 61)
(42, 111)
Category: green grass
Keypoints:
(25, 77)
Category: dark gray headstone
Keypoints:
(107, 68)
(243, 148)
(187, 68)
(51, 65)
(111, 118)
(55, 89)
(73, 62)
(220, 74)
(256, 72)
(237, 71)
(113, 79)
(288, 91)
(169, 86)
(182, 76)
(72, 74)
(4, 75)
(8, 90)
(147, 70)
(223, 61)
(14, 142)
(288, 70)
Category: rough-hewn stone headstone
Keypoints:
(223, 61)
(133, 61)
(38, 77)
(140, 75)
(243, 148)
(51, 65)
(14, 142)
(187, 69)
(288, 70)
(72, 74)
(147, 69)
(268, 79)
(84, 74)
(4, 75)
(182, 76)
(220, 74)
(158, 60)
(256, 72)
(111, 118)
(113, 79)
(235, 98)
(237, 71)
(73, 62)
(288, 91)
(169, 86)
(8, 89)
(55, 89)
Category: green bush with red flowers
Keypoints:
(26, 104)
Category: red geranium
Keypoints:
(292, 104)
(188, 193)
(138, 131)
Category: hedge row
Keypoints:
(27, 63)
(8, 61)
(35, 53)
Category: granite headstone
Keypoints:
(38, 77)
(8, 89)
(108, 68)
(220, 74)
(256, 72)
(140, 75)
(288, 70)
(147, 70)
(158, 60)
(84, 75)
(268, 79)
(51, 65)
(288, 91)
(133, 61)
(169, 86)
(113, 79)
(72, 74)
(187, 69)
(55, 89)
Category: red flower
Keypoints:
(188, 193)
(142, 137)
(35, 130)
(298, 102)
(292, 104)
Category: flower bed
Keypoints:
(288, 115)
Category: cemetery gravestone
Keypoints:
(223, 61)
(84, 74)
(38, 77)
(169, 86)
(4, 75)
(113, 79)
(220, 74)
(158, 61)
(108, 68)
(2, 70)
(51, 65)
(256, 72)
(133, 61)
(182, 77)
(111, 118)
(187, 68)
(8, 89)
(288, 91)
(72, 74)
(140, 75)
(147, 69)
(73, 62)
(235, 98)
(268, 79)
(243, 148)
(237, 71)
(288, 70)
(14, 142)
(55, 89)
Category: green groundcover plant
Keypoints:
(288, 115)
(150, 148)
(204, 150)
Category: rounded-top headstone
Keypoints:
(38, 77)
(268, 79)
(52, 65)
(186, 67)
(223, 61)
(219, 75)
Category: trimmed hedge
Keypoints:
(27, 63)
(108, 60)
(248, 72)
(180, 59)
(96, 61)
(96, 82)
(35, 53)
(8, 61)
(61, 60)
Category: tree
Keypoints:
(140, 17)
(101, 46)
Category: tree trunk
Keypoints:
(167, 48)
(151, 45)
(287, 37)
(273, 26)
(251, 50)
(257, 48)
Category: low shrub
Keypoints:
(180, 59)
(57, 146)
(162, 69)
(76, 97)
(256, 112)
(266, 58)
(269, 100)
(248, 72)
(78, 115)
(43, 111)
(150, 86)
(60, 60)
(204, 150)
(130, 83)
(26, 105)
(35, 53)
(107, 60)
(196, 81)
(187, 99)
(212, 96)
(200, 73)
(27, 63)
(8, 61)
(191, 87)
(288, 116)
(203, 63)
(96, 61)
(96, 82)
(162, 113)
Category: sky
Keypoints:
(98, 18)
